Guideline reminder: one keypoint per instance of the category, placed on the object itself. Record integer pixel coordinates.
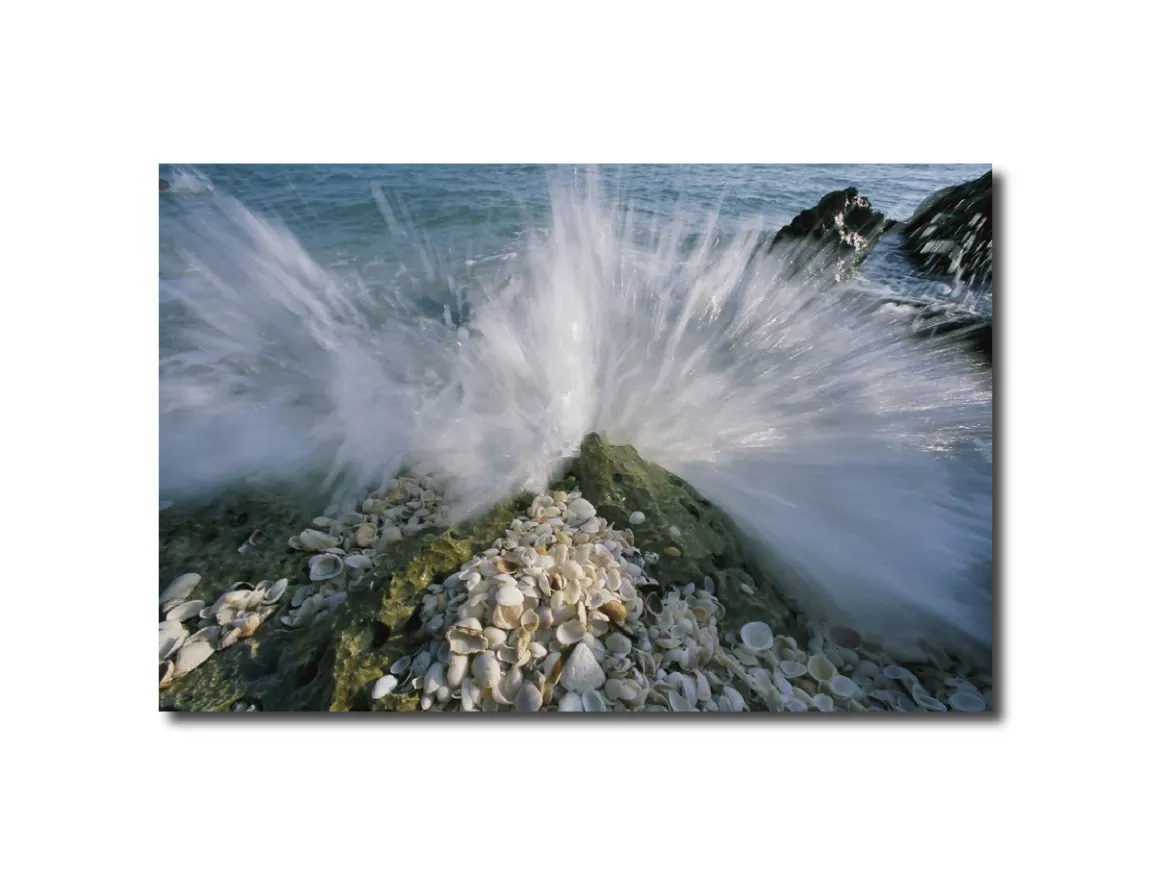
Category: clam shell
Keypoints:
(509, 596)
(486, 670)
(326, 566)
(843, 687)
(171, 640)
(571, 702)
(276, 590)
(756, 636)
(965, 701)
(593, 701)
(365, 535)
(400, 665)
(821, 668)
(311, 539)
(823, 702)
(181, 587)
(789, 668)
(193, 654)
(570, 632)
(384, 685)
(167, 673)
(529, 698)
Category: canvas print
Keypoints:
(620, 439)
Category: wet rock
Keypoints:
(950, 233)
(833, 236)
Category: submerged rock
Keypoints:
(950, 233)
(836, 233)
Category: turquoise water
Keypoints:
(463, 214)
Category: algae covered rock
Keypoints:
(950, 233)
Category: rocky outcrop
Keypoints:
(835, 234)
(331, 666)
(950, 233)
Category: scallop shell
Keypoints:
(789, 668)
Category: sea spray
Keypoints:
(847, 452)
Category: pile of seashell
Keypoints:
(551, 618)
(347, 546)
(235, 615)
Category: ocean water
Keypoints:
(339, 322)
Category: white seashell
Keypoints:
(171, 640)
(823, 702)
(434, 679)
(188, 610)
(486, 670)
(866, 669)
(581, 672)
(965, 701)
(821, 668)
(789, 668)
(678, 703)
(365, 535)
(509, 596)
(181, 587)
(636, 518)
(756, 636)
(358, 562)
(571, 702)
(193, 654)
(843, 687)
(326, 566)
(735, 700)
(457, 670)
(276, 590)
(467, 637)
(529, 698)
(593, 701)
(314, 540)
(921, 697)
(570, 632)
(496, 638)
(581, 509)
(617, 643)
(167, 673)
(230, 638)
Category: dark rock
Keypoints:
(836, 233)
(164, 186)
(950, 233)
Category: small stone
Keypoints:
(384, 686)
(672, 552)
(636, 518)
(674, 532)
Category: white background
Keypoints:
(95, 97)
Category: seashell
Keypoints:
(823, 702)
(789, 668)
(169, 604)
(572, 702)
(310, 539)
(581, 672)
(185, 611)
(254, 599)
(756, 636)
(529, 698)
(181, 587)
(385, 685)
(744, 655)
(365, 535)
(734, 699)
(167, 673)
(538, 650)
(615, 611)
(486, 670)
(509, 596)
(924, 700)
(581, 509)
(230, 638)
(326, 567)
(434, 678)
(570, 632)
(467, 637)
(866, 669)
(843, 636)
(618, 643)
(965, 701)
(253, 541)
(843, 687)
(636, 518)
(821, 668)
(193, 654)
(794, 705)
(400, 665)
(530, 621)
(457, 670)
(171, 640)
(678, 703)
(350, 519)
(276, 590)
(495, 637)
(593, 701)
(249, 625)
(358, 562)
